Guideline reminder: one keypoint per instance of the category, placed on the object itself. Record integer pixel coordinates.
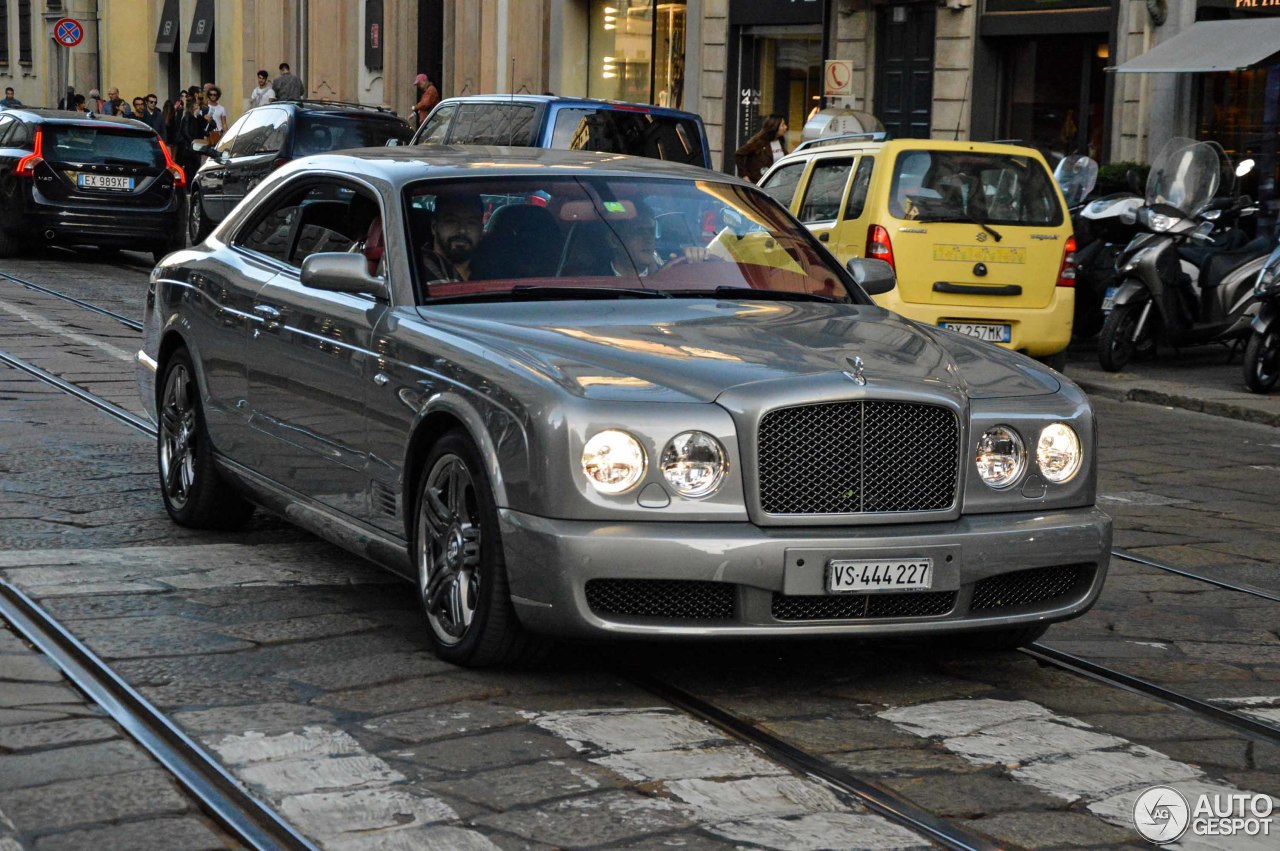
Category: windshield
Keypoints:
(998, 189)
(1185, 175)
(1076, 177)
(637, 133)
(319, 133)
(105, 145)
(594, 237)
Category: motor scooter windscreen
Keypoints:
(1076, 176)
(1184, 175)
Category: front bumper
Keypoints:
(768, 580)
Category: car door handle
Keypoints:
(381, 379)
(825, 236)
(272, 317)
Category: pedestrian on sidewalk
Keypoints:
(287, 86)
(262, 93)
(152, 114)
(9, 99)
(427, 97)
(217, 114)
(115, 104)
(763, 149)
(95, 103)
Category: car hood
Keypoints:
(696, 349)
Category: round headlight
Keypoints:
(1000, 457)
(613, 461)
(693, 464)
(1058, 452)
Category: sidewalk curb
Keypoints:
(1177, 400)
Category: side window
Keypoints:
(826, 189)
(781, 185)
(493, 124)
(274, 140)
(437, 126)
(228, 140)
(861, 184)
(251, 131)
(318, 217)
(6, 127)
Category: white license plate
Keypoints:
(852, 577)
(1109, 300)
(989, 333)
(104, 181)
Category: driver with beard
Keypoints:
(458, 228)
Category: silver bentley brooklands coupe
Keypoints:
(584, 394)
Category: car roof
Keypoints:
(62, 116)
(564, 100)
(872, 146)
(413, 162)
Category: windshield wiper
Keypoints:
(525, 292)
(968, 217)
(751, 294)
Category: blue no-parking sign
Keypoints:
(67, 32)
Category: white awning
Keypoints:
(1211, 46)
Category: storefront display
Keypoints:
(637, 50)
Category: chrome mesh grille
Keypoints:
(1025, 587)
(858, 458)
(831, 607)
(677, 599)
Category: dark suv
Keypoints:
(69, 178)
(267, 137)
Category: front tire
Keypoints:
(198, 224)
(1116, 346)
(195, 495)
(462, 574)
(1262, 361)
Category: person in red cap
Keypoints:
(428, 96)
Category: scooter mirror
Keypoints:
(1244, 167)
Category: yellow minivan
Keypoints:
(977, 232)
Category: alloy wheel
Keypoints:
(449, 540)
(178, 437)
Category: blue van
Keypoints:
(582, 124)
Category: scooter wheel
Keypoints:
(1262, 361)
(1116, 345)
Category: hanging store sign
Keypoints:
(748, 12)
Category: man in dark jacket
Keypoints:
(287, 86)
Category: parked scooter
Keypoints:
(1103, 228)
(1163, 296)
(1262, 352)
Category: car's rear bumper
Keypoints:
(122, 227)
(1037, 332)
(737, 579)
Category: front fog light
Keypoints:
(1058, 452)
(693, 464)
(613, 461)
(1000, 457)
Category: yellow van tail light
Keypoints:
(1067, 274)
(880, 248)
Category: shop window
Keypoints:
(636, 51)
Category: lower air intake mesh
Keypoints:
(1027, 587)
(834, 607)
(676, 599)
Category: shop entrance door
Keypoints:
(779, 71)
(904, 70)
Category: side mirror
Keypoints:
(202, 148)
(342, 272)
(874, 276)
